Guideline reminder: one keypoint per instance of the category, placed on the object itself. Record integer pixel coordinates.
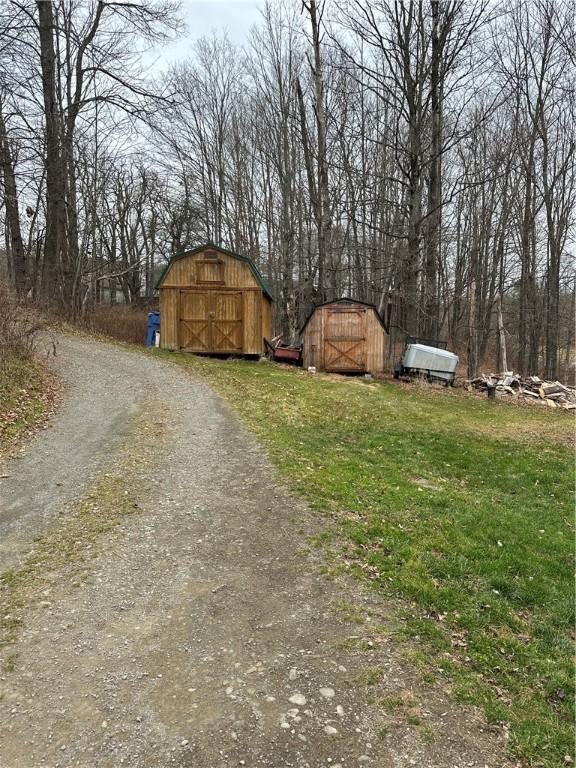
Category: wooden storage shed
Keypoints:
(344, 336)
(214, 301)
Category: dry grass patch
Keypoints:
(121, 322)
(27, 389)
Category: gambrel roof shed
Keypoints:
(214, 301)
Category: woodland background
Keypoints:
(419, 155)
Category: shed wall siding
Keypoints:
(169, 318)
(266, 317)
(375, 338)
(314, 341)
(252, 323)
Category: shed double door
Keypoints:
(345, 340)
(210, 321)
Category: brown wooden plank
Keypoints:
(169, 315)
(226, 322)
(194, 321)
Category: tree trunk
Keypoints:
(323, 215)
(431, 304)
(472, 332)
(312, 186)
(14, 232)
(55, 238)
(503, 357)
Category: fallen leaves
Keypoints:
(25, 409)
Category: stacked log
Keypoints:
(554, 394)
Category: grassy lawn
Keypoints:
(26, 390)
(462, 508)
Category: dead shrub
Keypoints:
(121, 322)
(20, 324)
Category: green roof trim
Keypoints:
(246, 259)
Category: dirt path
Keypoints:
(196, 629)
(104, 393)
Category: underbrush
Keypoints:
(27, 391)
(120, 322)
(20, 324)
(26, 387)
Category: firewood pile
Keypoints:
(527, 388)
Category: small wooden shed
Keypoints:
(214, 301)
(344, 336)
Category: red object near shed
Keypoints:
(283, 353)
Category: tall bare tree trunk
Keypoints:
(503, 357)
(410, 313)
(14, 232)
(312, 186)
(434, 222)
(322, 211)
(472, 332)
(55, 238)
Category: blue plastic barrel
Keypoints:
(152, 327)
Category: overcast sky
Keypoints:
(236, 17)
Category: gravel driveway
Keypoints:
(198, 629)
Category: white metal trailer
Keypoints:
(421, 360)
